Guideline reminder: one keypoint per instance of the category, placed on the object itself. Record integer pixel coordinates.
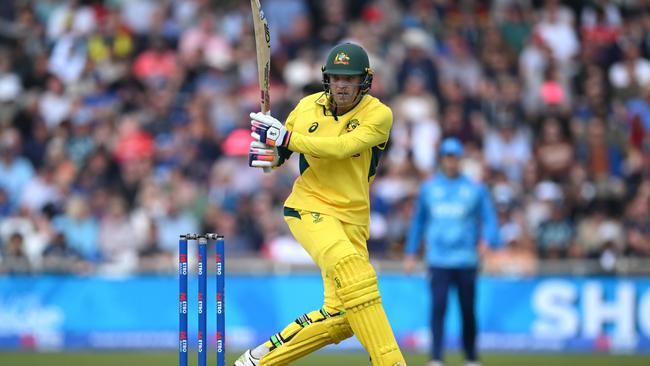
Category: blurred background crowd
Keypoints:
(123, 123)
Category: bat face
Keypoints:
(263, 48)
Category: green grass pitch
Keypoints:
(318, 359)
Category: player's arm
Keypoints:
(261, 155)
(489, 221)
(362, 138)
(373, 131)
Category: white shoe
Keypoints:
(472, 363)
(247, 359)
(435, 363)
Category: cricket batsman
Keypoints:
(340, 135)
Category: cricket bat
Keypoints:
(263, 47)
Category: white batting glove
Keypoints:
(268, 130)
(262, 156)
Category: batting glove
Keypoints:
(262, 156)
(268, 130)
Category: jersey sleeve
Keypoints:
(490, 223)
(372, 131)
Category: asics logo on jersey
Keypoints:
(313, 127)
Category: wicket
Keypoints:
(202, 303)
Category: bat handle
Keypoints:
(267, 169)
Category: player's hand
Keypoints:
(268, 130)
(409, 263)
(262, 156)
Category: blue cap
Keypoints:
(451, 146)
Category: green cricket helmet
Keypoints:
(348, 59)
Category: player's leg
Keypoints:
(305, 335)
(439, 278)
(467, 298)
(310, 331)
(357, 287)
(340, 251)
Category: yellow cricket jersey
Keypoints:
(338, 156)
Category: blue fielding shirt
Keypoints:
(453, 215)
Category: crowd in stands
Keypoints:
(124, 123)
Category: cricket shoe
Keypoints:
(247, 359)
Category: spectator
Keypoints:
(132, 142)
(600, 29)
(15, 170)
(559, 35)
(554, 9)
(515, 27)
(14, 259)
(507, 150)
(41, 190)
(416, 130)
(157, 65)
(639, 118)
(173, 221)
(79, 228)
(460, 66)
(204, 44)
(533, 61)
(139, 14)
(637, 224)
(54, 105)
(495, 55)
(596, 230)
(58, 257)
(69, 57)
(554, 151)
(555, 235)
(118, 240)
(418, 62)
(517, 258)
(600, 153)
(10, 83)
(70, 16)
(152, 258)
(33, 231)
(627, 75)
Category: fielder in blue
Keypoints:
(456, 218)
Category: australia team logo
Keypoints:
(316, 217)
(341, 59)
(352, 125)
